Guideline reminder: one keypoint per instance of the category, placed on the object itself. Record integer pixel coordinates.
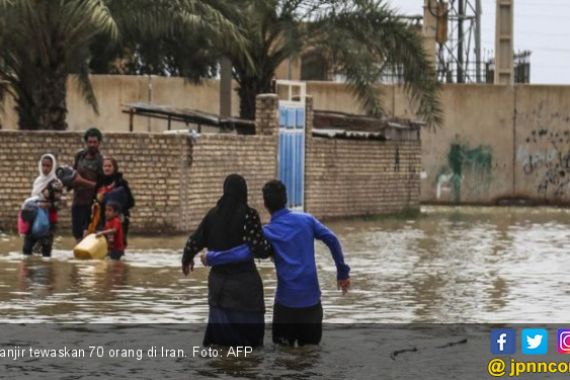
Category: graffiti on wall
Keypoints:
(547, 156)
(466, 167)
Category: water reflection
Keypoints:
(36, 276)
(100, 278)
(448, 265)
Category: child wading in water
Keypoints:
(113, 231)
(40, 211)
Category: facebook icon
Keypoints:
(503, 341)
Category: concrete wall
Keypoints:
(496, 142)
(114, 91)
(332, 96)
(470, 158)
(542, 141)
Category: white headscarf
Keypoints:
(43, 180)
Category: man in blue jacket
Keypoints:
(297, 313)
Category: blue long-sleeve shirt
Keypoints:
(292, 235)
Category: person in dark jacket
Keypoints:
(113, 187)
(88, 164)
(235, 290)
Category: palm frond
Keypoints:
(366, 37)
(84, 83)
(47, 41)
(81, 21)
(211, 22)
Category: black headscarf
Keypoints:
(234, 286)
(232, 206)
(222, 228)
(235, 195)
(106, 180)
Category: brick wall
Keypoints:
(154, 165)
(361, 177)
(216, 156)
(175, 180)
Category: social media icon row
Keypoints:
(533, 341)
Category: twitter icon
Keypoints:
(534, 341)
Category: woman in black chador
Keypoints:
(235, 291)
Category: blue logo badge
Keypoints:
(534, 341)
(503, 341)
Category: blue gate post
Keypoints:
(291, 157)
(309, 120)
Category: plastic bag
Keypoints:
(23, 226)
(40, 227)
(27, 215)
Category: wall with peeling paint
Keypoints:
(470, 158)
(497, 142)
(542, 162)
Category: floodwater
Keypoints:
(447, 265)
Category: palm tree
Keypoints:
(188, 55)
(362, 39)
(42, 42)
(273, 31)
(366, 40)
(179, 42)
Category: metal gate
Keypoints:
(291, 156)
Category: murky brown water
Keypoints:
(448, 265)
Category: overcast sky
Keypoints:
(541, 26)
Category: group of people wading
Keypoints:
(101, 200)
(231, 232)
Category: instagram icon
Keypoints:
(563, 341)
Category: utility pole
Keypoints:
(459, 55)
(504, 67)
(460, 61)
(478, 12)
(429, 30)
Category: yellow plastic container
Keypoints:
(91, 247)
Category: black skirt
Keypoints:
(236, 287)
(227, 327)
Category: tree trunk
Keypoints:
(247, 92)
(249, 88)
(43, 105)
